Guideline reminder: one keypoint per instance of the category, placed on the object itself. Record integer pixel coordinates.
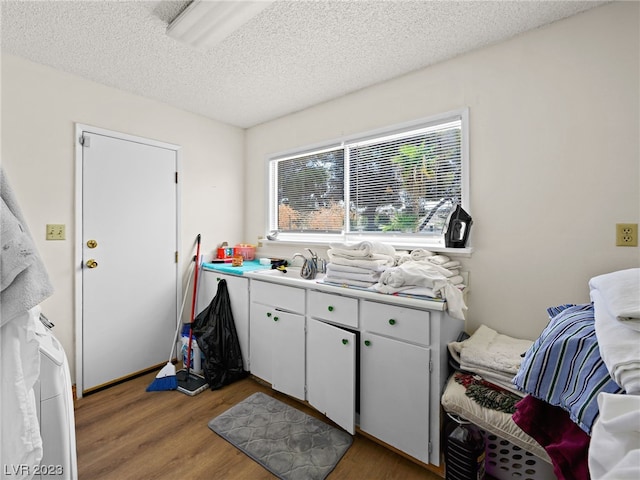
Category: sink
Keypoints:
(291, 276)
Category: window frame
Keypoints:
(397, 239)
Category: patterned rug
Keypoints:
(289, 443)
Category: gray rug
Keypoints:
(289, 443)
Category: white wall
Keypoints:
(40, 107)
(554, 157)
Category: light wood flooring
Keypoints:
(124, 432)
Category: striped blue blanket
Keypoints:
(563, 367)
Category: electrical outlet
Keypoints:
(55, 231)
(626, 234)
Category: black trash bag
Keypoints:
(215, 331)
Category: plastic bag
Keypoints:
(217, 338)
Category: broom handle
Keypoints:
(193, 306)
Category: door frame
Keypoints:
(80, 129)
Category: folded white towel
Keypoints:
(614, 450)
(621, 295)
(369, 276)
(489, 350)
(375, 264)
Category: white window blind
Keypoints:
(400, 183)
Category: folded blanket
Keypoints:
(619, 346)
(614, 452)
(620, 294)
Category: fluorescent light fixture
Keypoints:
(205, 24)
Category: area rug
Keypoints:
(289, 443)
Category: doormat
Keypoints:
(289, 443)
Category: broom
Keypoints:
(166, 378)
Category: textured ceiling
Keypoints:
(293, 55)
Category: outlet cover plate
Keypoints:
(55, 231)
(626, 234)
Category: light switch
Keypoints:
(55, 231)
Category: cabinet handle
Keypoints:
(345, 341)
(330, 308)
(367, 343)
(275, 319)
(268, 314)
(392, 321)
(218, 279)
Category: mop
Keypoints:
(188, 382)
(166, 377)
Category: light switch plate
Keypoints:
(55, 231)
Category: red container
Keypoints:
(248, 252)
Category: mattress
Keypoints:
(455, 401)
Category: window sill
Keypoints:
(458, 252)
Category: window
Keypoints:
(396, 185)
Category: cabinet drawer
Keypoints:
(334, 308)
(397, 322)
(283, 297)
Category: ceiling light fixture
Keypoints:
(205, 24)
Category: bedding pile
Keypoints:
(492, 355)
(378, 267)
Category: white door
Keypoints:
(129, 274)
(331, 367)
(287, 342)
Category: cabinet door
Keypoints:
(287, 345)
(260, 342)
(394, 400)
(331, 366)
(238, 288)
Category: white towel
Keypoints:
(372, 264)
(621, 295)
(619, 346)
(614, 450)
(25, 287)
(423, 275)
(369, 276)
(488, 350)
(20, 368)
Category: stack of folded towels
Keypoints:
(359, 264)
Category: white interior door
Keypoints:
(129, 271)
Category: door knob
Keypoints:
(91, 263)
(92, 244)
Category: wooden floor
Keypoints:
(124, 432)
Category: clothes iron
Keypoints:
(457, 228)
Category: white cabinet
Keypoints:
(238, 288)
(277, 340)
(368, 355)
(394, 388)
(331, 372)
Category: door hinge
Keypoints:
(430, 365)
(176, 257)
(176, 177)
(85, 141)
(430, 448)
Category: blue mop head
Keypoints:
(165, 379)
